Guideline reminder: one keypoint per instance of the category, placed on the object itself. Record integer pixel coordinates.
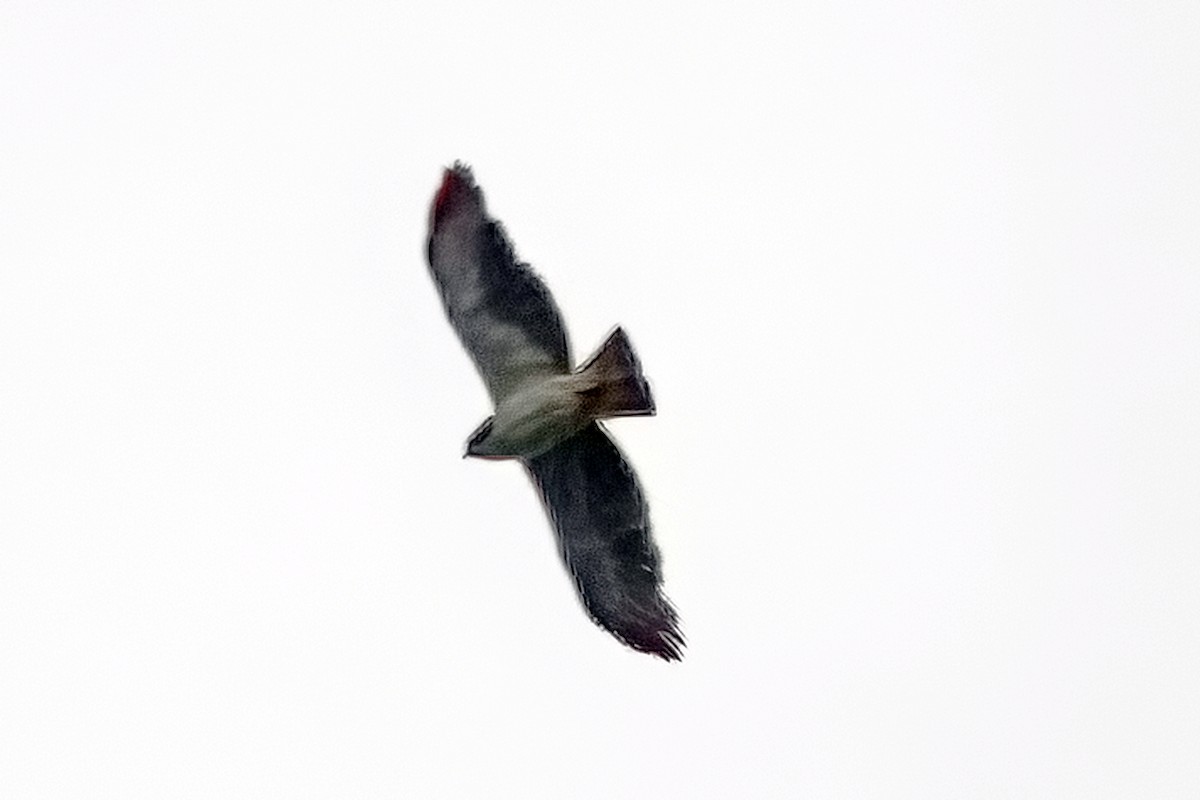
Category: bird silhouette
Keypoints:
(547, 416)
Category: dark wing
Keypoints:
(503, 313)
(603, 529)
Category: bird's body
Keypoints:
(545, 409)
(535, 417)
(546, 415)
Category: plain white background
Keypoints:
(918, 288)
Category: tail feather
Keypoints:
(612, 380)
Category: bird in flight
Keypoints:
(547, 415)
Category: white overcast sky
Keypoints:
(918, 289)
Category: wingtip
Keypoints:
(661, 637)
(458, 187)
(671, 648)
(667, 645)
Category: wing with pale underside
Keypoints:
(502, 311)
(603, 527)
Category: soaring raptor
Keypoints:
(546, 415)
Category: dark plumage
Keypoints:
(603, 526)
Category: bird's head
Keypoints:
(479, 444)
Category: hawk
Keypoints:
(547, 415)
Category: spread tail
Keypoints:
(612, 381)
